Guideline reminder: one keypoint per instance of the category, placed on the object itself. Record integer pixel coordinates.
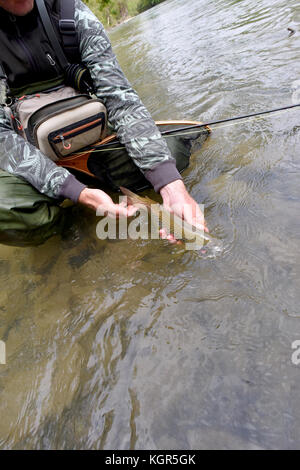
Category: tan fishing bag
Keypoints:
(60, 122)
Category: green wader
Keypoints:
(27, 217)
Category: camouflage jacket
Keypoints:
(133, 123)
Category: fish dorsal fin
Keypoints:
(135, 199)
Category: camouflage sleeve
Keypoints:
(20, 158)
(134, 126)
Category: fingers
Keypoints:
(123, 211)
(131, 210)
(116, 210)
(165, 236)
(191, 213)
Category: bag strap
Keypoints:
(67, 29)
(2, 73)
(52, 36)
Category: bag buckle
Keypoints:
(67, 26)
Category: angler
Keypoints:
(60, 84)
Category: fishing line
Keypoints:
(191, 129)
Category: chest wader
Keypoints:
(27, 217)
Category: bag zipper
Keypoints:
(32, 129)
(21, 42)
(51, 60)
(61, 137)
(65, 146)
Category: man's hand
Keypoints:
(177, 200)
(101, 202)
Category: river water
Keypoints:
(127, 344)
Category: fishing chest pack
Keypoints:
(60, 122)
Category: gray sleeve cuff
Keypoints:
(71, 188)
(162, 174)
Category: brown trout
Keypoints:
(172, 223)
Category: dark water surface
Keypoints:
(137, 344)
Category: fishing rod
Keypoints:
(210, 123)
(109, 146)
(85, 162)
(221, 121)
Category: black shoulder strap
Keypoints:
(67, 29)
(52, 36)
(2, 73)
